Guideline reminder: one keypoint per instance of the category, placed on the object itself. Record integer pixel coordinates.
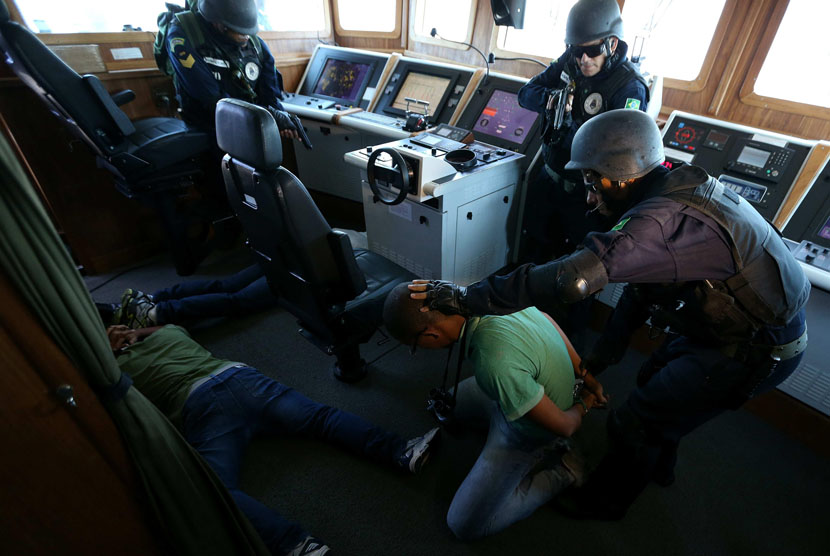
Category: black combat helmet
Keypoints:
(238, 15)
(590, 20)
(619, 145)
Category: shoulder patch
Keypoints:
(176, 41)
(620, 224)
(632, 103)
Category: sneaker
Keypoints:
(135, 309)
(574, 464)
(309, 547)
(417, 451)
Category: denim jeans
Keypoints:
(242, 293)
(512, 477)
(221, 416)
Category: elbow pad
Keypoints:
(569, 279)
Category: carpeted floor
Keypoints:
(742, 487)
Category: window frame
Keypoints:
(396, 33)
(427, 39)
(747, 94)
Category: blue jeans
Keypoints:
(242, 293)
(512, 477)
(222, 415)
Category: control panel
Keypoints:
(758, 165)
(809, 230)
(495, 117)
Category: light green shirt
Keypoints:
(516, 360)
(165, 365)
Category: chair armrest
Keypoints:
(123, 97)
(353, 283)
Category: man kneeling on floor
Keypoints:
(221, 405)
(523, 392)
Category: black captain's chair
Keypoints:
(335, 292)
(152, 159)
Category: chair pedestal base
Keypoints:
(350, 367)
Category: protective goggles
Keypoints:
(592, 51)
(596, 183)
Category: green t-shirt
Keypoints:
(516, 360)
(165, 365)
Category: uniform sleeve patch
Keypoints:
(620, 224)
(632, 103)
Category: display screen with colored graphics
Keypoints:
(342, 80)
(503, 117)
(825, 230)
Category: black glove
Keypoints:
(290, 122)
(283, 119)
(449, 298)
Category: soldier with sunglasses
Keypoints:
(592, 75)
(701, 263)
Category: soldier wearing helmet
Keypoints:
(216, 54)
(597, 76)
(700, 262)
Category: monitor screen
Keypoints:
(753, 157)
(824, 232)
(343, 80)
(503, 117)
(420, 86)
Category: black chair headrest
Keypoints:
(4, 12)
(248, 133)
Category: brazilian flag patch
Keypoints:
(620, 224)
(632, 103)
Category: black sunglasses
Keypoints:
(592, 51)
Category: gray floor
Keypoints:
(743, 487)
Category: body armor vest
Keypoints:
(591, 97)
(768, 287)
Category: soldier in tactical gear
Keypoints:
(216, 54)
(592, 75)
(700, 262)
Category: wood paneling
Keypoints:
(812, 167)
(70, 486)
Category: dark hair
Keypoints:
(403, 317)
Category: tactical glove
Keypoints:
(449, 298)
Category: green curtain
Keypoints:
(188, 499)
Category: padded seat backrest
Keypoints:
(311, 268)
(82, 102)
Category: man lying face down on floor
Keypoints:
(523, 392)
(221, 405)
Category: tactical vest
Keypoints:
(768, 287)
(591, 97)
(236, 70)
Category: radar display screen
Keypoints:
(342, 80)
(420, 86)
(503, 117)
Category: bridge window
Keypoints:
(674, 35)
(90, 16)
(543, 33)
(796, 67)
(359, 17)
(291, 16)
(452, 20)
